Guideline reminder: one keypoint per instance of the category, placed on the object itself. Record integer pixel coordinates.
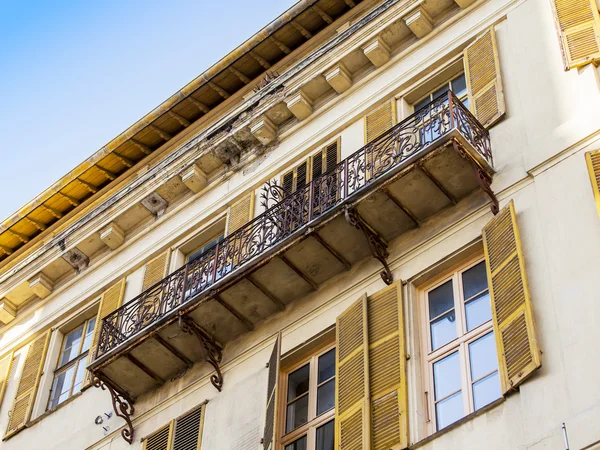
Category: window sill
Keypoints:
(50, 411)
(457, 424)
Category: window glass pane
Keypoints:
(325, 397)
(79, 375)
(298, 382)
(196, 254)
(89, 334)
(443, 330)
(474, 280)
(483, 356)
(61, 387)
(445, 88)
(449, 410)
(446, 376)
(326, 366)
(478, 311)
(441, 299)
(325, 437)
(486, 390)
(465, 102)
(297, 414)
(422, 103)
(71, 346)
(300, 444)
(459, 85)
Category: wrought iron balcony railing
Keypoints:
(341, 185)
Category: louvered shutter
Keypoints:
(514, 327)
(20, 412)
(156, 270)
(272, 385)
(578, 27)
(484, 82)
(5, 366)
(188, 430)
(593, 164)
(387, 369)
(352, 378)
(240, 213)
(161, 440)
(111, 299)
(301, 176)
(331, 156)
(379, 121)
(287, 182)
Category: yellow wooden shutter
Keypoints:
(111, 299)
(387, 369)
(287, 182)
(352, 427)
(484, 82)
(380, 120)
(578, 26)
(161, 440)
(156, 270)
(20, 413)
(240, 213)
(593, 164)
(272, 385)
(187, 432)
(5, 366)
(514, 327)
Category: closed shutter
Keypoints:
(379, 121)
(387, 369)
(325, 160)
(156, 270)
(484, 82)
(272, 385)
(20, 413)
(111, 299)
(352, 378)
(188, 430)
(161, 440)
(578, 26)
(514, 327)
(240, 213)
(5, 366)
(593, 164)
(287, 182)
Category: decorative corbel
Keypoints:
(122, 405)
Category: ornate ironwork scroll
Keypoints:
(211, 352)
(122, 405)
(377, 244)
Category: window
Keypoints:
(462, 362)
(316, 165)
(70, 375)
(309, 395)
(197, 253)
(458, 85)
(182, 433)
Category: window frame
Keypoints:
(74, 362)
(220, 235)
(309, 429)
(440, 85)
(459, 344)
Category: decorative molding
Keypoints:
(41, 285)
(155, 204)
(377, 51)
(8, 311)
(419, 22)
(264, 130)
(339, 78)
(194, 178)
(300, 105)
(464, 3)
(113, 236)
(77, 259)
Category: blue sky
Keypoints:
(74, 74)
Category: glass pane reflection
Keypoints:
(446, 376)
(478, 311)
(486, 390)
(298, 382)
(300, 444)
(325, 437)
(449, 410)
(443, 330)
(325, 397)
(296, 414)
(326, 366)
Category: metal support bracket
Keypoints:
(122, 405)
(377, 244)
(211, 351)
(483, 178)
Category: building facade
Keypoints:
(374, 225)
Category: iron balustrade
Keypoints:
(292, 212)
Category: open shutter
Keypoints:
(240, 213)
(272, 384)
(484, 82)
(352, 378)
(161, 440)
(593, 165)
(20, 412)
(5, 366)
(111, 299)
(514, 327)
(387, 369)
(578, 26)
(156, 270)
(287, 182)
(379, 121)
(188, 430)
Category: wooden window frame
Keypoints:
(315, 421)
(460, 344)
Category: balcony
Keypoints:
(426, 163)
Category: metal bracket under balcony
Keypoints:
(422, 174)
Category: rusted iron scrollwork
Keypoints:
(122, 405)
(211, 352)
(377, 244)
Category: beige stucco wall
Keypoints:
(538, 149)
